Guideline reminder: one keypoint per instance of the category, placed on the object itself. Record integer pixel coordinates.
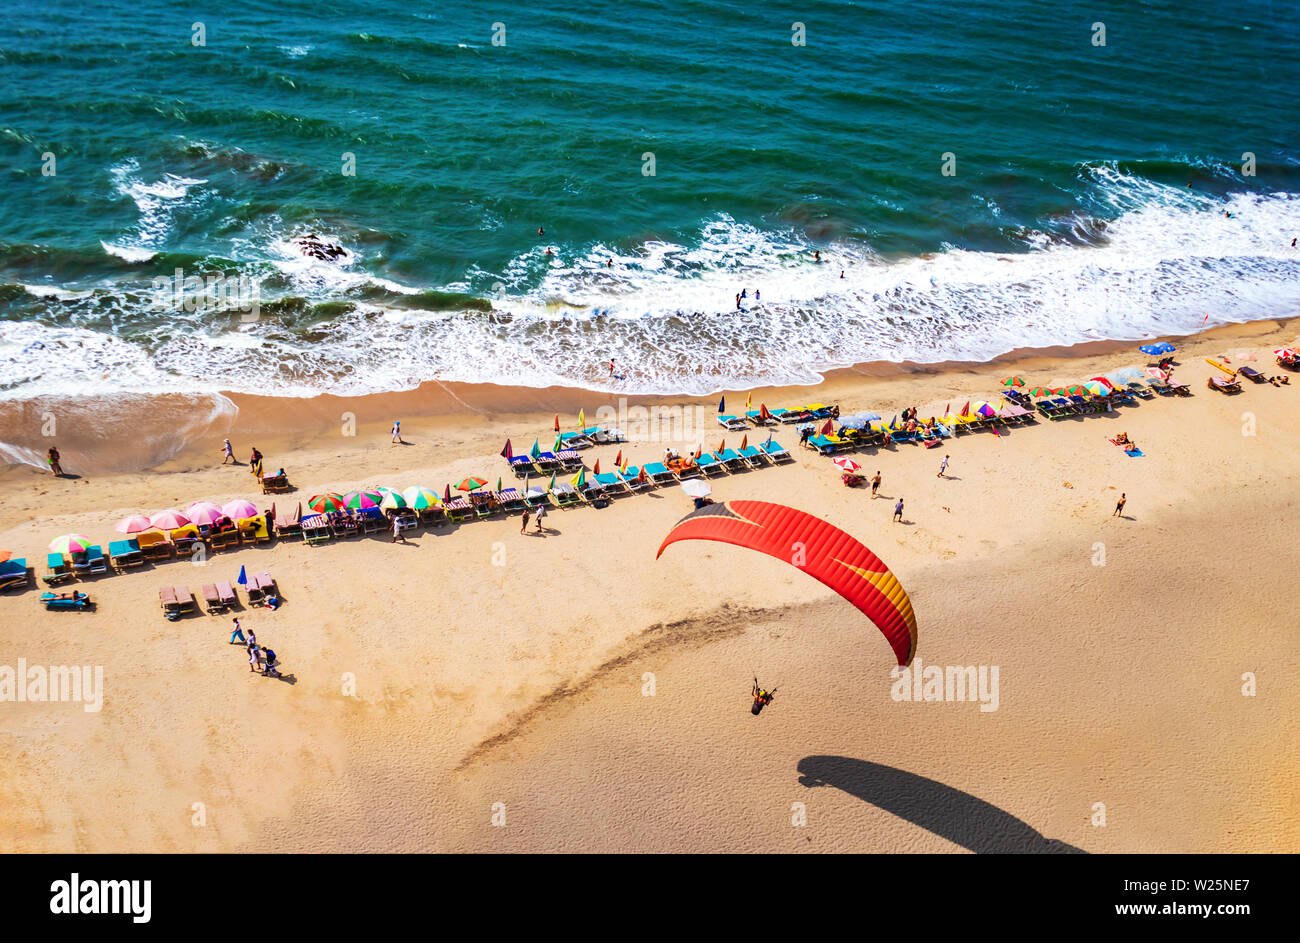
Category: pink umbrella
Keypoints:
(1157, 373)
(239, 509)
(169, 519)
(848, 464)
(205, 513)
(133, 524)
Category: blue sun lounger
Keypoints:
(659, 473)
(755, 456)
(125, 553)
(522, 465)
(732, 423)
(710, 465)
(13, 573)
(776, 452)
(575, 440)
(756, 417)
(732, 461)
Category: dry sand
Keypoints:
(507, 675)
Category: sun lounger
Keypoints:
(154, 545)
(1222, 385)
(80, 563)
(184, 539)
(176, 601)
(344, 525)
(13, 574)
(569, 459)
(68, 601)
(564, 495)
(259, 587)
(546, 462)
(123, 554)
(787, 416)
(733, 461)
(458, 510)
(818, 410)
(1250, 373)
(510, 500)
(372, 520)
(603, 436)
(575, 440)
(732, 423)
(315, 530)
(776, 452)
(756, 417)
(685, 469)
(484, 503)
(212, 599)
(659, 473)
(522, 465)
(286, 524)
(57, 570)
(95, 557)
(407, 520)
(1180, 388)
(275, 484)
(1138, 388)
(754, 456)
(612, 484)
(535, 497)
(632, 477)
(432, 517)
(709, 465)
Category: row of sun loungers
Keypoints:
(177, 601)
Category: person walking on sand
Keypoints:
(254, 658)
(397, 430)
(541, 515)
(524, 528)
(943, 467)
(229, 452)
(238, 634)
(1119, 505)
(898, 511)
(52, 459)
(397, 530)
(875, 485)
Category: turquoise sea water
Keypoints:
(1068, 218)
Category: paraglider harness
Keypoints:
(761, 697)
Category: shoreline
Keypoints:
(174, 432)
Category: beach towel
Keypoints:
(1136, 453)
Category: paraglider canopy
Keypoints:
(817, 547)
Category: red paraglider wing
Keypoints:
(818, 548)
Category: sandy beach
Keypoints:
(475, 689)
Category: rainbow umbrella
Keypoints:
(1097, 388)
(362, 500)
(169, 519)
(133, 524)
(421, 498)
(322, 503)
(1012, 381)
(470, 484)
(70, 543)
(239, 509)
(204, 513)
(393, 500)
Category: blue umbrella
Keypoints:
(243, 577)
(1157, 349)
(858, 420)
(722, 405)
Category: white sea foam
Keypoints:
(156, 201)
(129, 253)
(667, 312)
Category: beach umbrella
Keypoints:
(1157, 373)
(696, 488)
(133, 524)
(421, 498)
(618, 459)
(986, 410)
(5, 555)
(362, 500)
(828, 428)
(321, 503)
(558, 443)
(1286, 353)
(239, 509)
(856, 421)
(582, 419)
(551, 486)
(242, 578)
(1012, 381)
(722, 405)
(394, 501)
(763, 414)
(169, 519)
(507, 453)
(535, 451)
(847, 464)
(1042, 391)
(1105, 380)
(596, 469)
(744, 441)
(446, 494)
(71, 543)
(1074, 389)
(470, 484)
(204, 513)
(1156, 349)
(580, 479)
(1097, 387)
(965, 410)
(498, 483)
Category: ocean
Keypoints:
(976, 177)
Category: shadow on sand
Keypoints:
(961, 818)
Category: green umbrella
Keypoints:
(470, 484)
(321, 503)
(1041, 391)
(361, 500)
(393, 500)
(1012, 381)
(551, 486)
(498, 484)
(70, 543)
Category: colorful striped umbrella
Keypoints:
(321, 503)
(1043, 391)
(239, 509)
(393, 500)
(133, 524)
(169, 519)
(580, 479)
(1012, 381)
(470, 484)
(421, 498)
(71, 543)
(362, 500)
(1074, 389)
(1097, 388)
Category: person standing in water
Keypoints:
(611, 368)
